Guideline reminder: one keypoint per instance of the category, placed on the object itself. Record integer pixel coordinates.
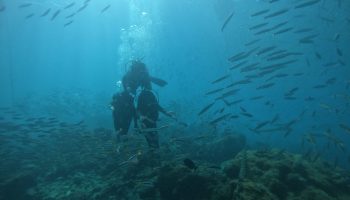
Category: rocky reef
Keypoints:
(250, 175)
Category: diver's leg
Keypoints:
(151, 137)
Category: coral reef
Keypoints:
(250, 175)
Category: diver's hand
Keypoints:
(171, 114)
(111, 107)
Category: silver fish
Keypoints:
(45, 13)
(69, 5)
(55, 15)
(227, 21)
(277, 13)
(306, 4)
(105, 8)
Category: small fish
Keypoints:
(263, 31)
(82, 8)
(308, 62)
(298, 74)
(339, 52)
(268, 103)
(247, 114)
(190, 164)
(331, 81)
(279, 25)
(331, 64)
(290, 98)
(306, 4)
(219, 119)
(265, 86)
(237, 56)
(252, 42)
(318, 55)
(265, 50)
(313, 114)
(261, 12)
(277, 76)
(30, 16)
(233, 102)
(243, 109)
(309, 37)
(229, 93)
(25, 5)
(292, 91)
(105, 9)
(303, 30)
(45, 13)
(227, 21)
(241, 82)
(257, 97)
(68, 23)
(69, 6)
(220, 79)
(206, 108)
(275, 119)
(258, 26)
(336, 37)
(214, 91)
(278, 65)
(262, 124)
(341, 62)
(288, 132)
(242, 55)
(250, 67)
(55, 15)
(238, 65)
(277, 13)
(283, 31)
(319, 86)
(70, 16)
(282, 56)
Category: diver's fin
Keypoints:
(158, 81)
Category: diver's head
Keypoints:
(138, 66)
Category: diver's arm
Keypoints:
(162, 110)
(134, 113)
(158, 81)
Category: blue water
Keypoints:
(71, 72)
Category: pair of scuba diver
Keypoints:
(147, 106)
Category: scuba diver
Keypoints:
(138, 76)
(123, 102)
(124, 112)
(148, 109)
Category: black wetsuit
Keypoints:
(123, 103)
(148, 108)
(137, 76)
(124, 112)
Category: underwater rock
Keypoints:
(179, 182)
(17, 186)
(255, 190)
(296, 182)
(250, 175)
(77, 186)
(285, 176)
(222, 149)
